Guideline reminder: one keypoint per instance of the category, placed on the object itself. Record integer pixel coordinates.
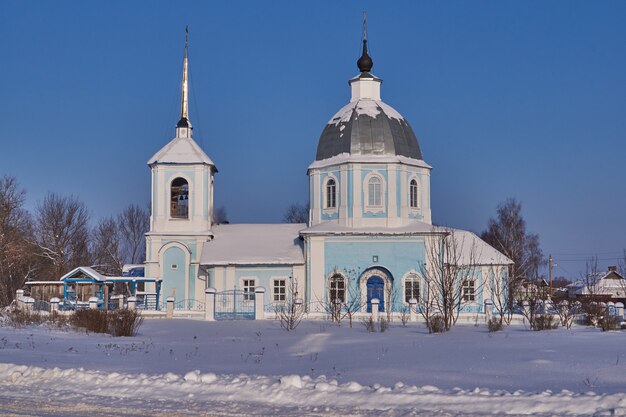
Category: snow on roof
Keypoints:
(181, 151)
(346, 157)
(475, 250)
(254, 244)
(84, 270)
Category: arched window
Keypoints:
(331, 194)
(179, 199)
(411, 287)
(374, 192)
(413, 194)
(337, 292)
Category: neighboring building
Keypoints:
(605, 285)
(369, 230)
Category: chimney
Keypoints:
(612, 268)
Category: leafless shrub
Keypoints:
(369, 324)
(124, 322)
(91, 320)
(494, 325)
(383, 324)
(436, 324)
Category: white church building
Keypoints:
(369, 229)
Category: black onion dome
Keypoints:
(368, 127)
(365, 62)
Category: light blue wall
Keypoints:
(354, 256)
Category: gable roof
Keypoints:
(181, 151)
(85, 271)
(254, 244)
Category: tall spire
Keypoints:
(184, 105)
(365, 62)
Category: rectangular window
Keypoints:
(248, 289)
(280, 290)
(469, 290)
(411, 289)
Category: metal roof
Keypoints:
(368, 127)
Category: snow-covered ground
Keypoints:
(189, 367)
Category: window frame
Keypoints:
(468, 290)
(279, 296)
(248, 286)
(333, 290)
(330, 202)
(414, 280)
(374, 182)
(174, 204)
(413, 194)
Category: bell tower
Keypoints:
(181, 206)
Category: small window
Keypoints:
(280, 290)
(331, 194)
(374, 192)
(413, 194)
(173, 266)
(469, 290)
(411, 288)
(337, 292)
(179, 199)
(248, 289)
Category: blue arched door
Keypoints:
(375, 289)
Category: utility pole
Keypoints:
(550, 272)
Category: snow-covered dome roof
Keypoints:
(368, 127)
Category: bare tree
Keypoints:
(449, 275)
(106, 247)
(62, 234)
(220, 216)
(17, 262)
(133, 223)
(296, 213)
(291, 312)
(507, 233)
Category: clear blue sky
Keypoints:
(523, 99)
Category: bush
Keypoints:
(494, 325)
(124, 322)
(609, 323)
(91, 320)
(544, 322)
(369, 324)
(383, 325)
(116, 323)
(436, 324)
(20, 318)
